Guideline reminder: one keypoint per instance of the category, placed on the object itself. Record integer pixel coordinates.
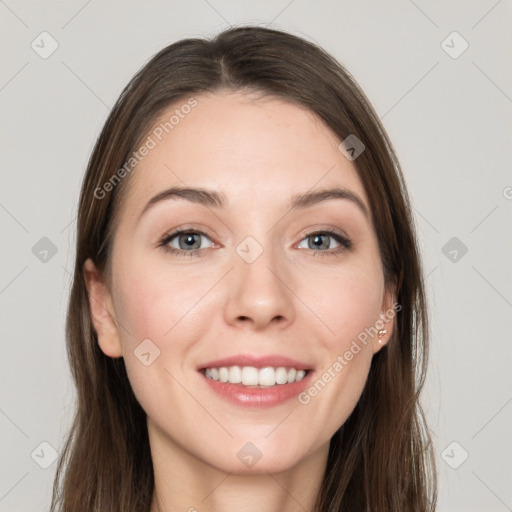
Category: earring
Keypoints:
(381, 333)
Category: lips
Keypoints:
(274, 361)
(263, 381)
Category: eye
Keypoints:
(321, 243)
(184, 242)
(188, 242)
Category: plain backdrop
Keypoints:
(439, 76)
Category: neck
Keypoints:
(185, 483)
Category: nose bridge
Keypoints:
(258, 292)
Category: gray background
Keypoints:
(449, 118)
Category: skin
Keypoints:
(290, 301)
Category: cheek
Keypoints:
(153, 302)
(350, 305)
(348, 302)
(158, 305)
(163, 306)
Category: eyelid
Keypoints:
(326, 230)
(187, 228)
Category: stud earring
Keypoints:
(381, 333)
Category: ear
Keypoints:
(102, 311)
(386, 321)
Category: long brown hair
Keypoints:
(381, 459)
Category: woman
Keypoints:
(247, 325)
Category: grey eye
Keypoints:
(190, 240)
(319, 241)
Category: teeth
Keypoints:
(223, 374)
(281, 376)
(251, 376)
(266, 377)
(235, 375)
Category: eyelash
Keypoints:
(345, 243)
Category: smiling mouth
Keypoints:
(252, 377)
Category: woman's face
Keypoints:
(276, 276)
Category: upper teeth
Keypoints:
(251, 376)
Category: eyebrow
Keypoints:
(214, 199)
(311, 198)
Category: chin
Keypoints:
(259, 457)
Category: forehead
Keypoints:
(250, 148)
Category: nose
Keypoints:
(259, 294)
